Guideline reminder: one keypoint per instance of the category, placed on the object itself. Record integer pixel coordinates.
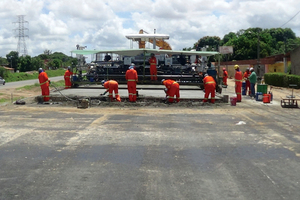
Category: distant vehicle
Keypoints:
(2, 80)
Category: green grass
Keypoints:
(58, 83)
(2, 100)
(36, 85)
(29, 87)
(11, 77)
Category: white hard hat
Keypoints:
(251, 69)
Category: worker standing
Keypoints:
(44, 83)
(246, 78)
(67, 77)
(210, 88)
(111, 86)
(225, 76)
(171, 90)
(132, 79)
(252, 79)
(238, 83)
(153, 69)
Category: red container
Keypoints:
(233, 101)
(266, 98)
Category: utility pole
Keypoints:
(258, 56)
(284, 57)
(22, 50)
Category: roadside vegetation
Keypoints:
(36, 85)
(21, 76)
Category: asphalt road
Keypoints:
(18, 84)
(211, 152)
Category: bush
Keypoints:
(282, 79)
(3, 72)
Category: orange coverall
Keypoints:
(132, 78)
(225, 76)
(67, 78)
(111, 86)
(238, 85)
(173, 89)
(246, 76)
(210, 88)
(44, 83)
(153, 70)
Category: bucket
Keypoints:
(263, 88)
(233, 101)
(75, 78)
(259, 96)
(266, 98)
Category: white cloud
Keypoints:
(59, 25)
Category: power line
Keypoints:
(290, 19)
(22, 50)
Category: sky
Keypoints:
(59, 25)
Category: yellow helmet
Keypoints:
(236, 66)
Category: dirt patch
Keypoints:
(13, 94)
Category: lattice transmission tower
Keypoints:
(22, 50)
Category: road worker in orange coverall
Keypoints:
(225, 76)
(111, 86)
(246, 78)
(238, 83)
(153, 69)
(172, 89)
(67, 77)
(132, 78)
(44, 83)
(210, 88)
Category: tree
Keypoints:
(55, 63)
(24, 63)
(271, 42)
(36, 63)
(13, 58)
(47, 52)
(3, 61)
(209, 42)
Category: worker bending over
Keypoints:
(132, 79)
(238, 83)
(172, 89)
(67, 77)
(111, 86)
(210, 88)
(44, 83)
(153, 69)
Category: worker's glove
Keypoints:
(166, 90)
(49, 82)
(103, 93)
